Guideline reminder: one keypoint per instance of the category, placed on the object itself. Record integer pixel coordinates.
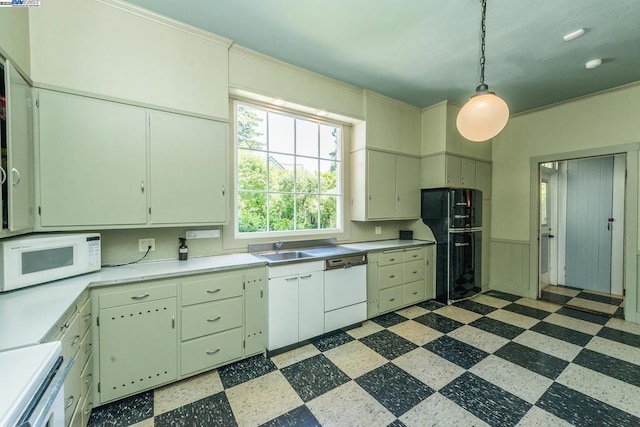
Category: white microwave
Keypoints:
(39, 258)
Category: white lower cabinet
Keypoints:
(296, 303)
(399, 278)
(155, 332)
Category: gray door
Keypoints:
(589, 207)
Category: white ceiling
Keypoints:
(426, 51)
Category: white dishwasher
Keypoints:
(345, 291)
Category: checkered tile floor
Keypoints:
(584, 299)
(497, 360)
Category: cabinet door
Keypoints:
(92, 162)
(311, 305)
(407, 187)
(483, 179)
(468, 173)
(283, 311)
(188, 169)
(429, 272)
(453, 170)
(20, 151)
(381, 173)
(138, 347)
(254, 321)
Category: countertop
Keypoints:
(382, 245)
(27, 315)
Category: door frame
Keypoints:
(551, 177)
(630, 250)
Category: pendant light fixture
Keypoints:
(485, 114)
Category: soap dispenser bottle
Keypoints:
(183, 249)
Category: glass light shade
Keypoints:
(482, 117)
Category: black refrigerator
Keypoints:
(455, 217)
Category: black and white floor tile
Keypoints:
(496, 360)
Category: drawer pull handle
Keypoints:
(141, 296)
(392, 259)
(415, 256)
(75, 340)
(213, 291)
(415, 272)
(392, 276)
(392, 299)
(88, 378)
(213, 319)
(213, 351)
(305, 277)
(415, 293)
(70, 400)
(87, 317)
(288, 279)
(88, 408)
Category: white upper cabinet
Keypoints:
(187, 166)
(16, 140)
(110, 165)
(93, 162)
(384, 186)
(115, 50)
(390, 125)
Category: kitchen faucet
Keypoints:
(278, 245)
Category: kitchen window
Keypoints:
(288, 172)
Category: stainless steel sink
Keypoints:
(285, 256)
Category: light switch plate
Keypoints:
(378, 230)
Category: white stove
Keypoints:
(32, 386)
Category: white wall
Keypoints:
(597, 124)
(112, 49)
(14, 37)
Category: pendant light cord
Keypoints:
(483, 30)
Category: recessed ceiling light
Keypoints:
(322, 113)
(278, 102)
(574, 35)
(594, 63)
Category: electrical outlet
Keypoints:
(378, 230)
(143, 244)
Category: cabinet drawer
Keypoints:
(413, 271)
(71, 339)
(413, 254)
(210, 351)
(387, 258)
(87, 406)
(85, 317)
(391, 298)
(86, 379)
(390, 275)
(72, 389)
(211, 287)
(85, 349)
(414, 292)
(138, 293)
(212, 317)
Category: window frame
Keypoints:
(340, 190)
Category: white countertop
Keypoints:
(22, 371)
(27, 315)
(381, 245)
